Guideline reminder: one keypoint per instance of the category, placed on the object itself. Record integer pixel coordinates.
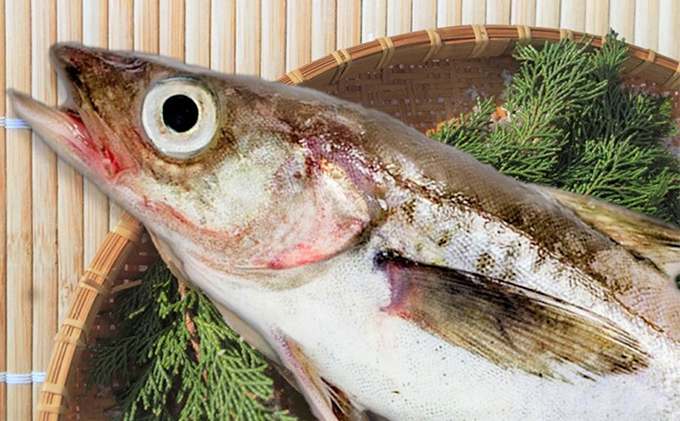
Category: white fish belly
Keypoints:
(395, 369)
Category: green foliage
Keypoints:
(173, 371)
(572, 124)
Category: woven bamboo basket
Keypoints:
(422, 78)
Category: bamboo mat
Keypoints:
(53, 220)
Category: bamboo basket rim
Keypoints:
(473, 41)
(476, 40)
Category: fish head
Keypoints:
(237, 171)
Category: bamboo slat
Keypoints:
(373, 22)
(523, 12)
(323, 27)
(573, 15)
(19, 224)
(70, 182)
(622, 18)
(222, 35)
(669, 25)
(171, 28)
(647, 23)
(349, 27)
(424, 15)
(597, 17)
(3, 221)
(450, 12)
(95, 203)
(146, 26)
(548, 14)
(474, 12)
(299, 33)
(498, 12)
(273, 55)
(398, 16)
(197, 32)
(52, 225)
(44, 190)
(121, 37)
(247, 37)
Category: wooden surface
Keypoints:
(53, 220)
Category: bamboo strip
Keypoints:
(597, 17)
(449, 12)
(548, 13)
(146, 26)
(523, 12)
(197, 33)
(95, 203)
(373, 20)
(398, 17)
(19, 250)
(70, 182)
(474, 12)
(3, 221)
(44, 190)
(349, 27)
(298, 35)
(622, 18)
(247, 56)
(498, 12)
(273, 29)
(669, 28)
(573, 15)
(121, 37)
(171, 28)
(323, 27)
(647, 23)
(424, 15)
(223, 35)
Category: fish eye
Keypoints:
(180, 113)
(179, 116)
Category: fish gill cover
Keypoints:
(568, 121)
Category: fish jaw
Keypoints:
(66, 133)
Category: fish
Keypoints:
(389, 276)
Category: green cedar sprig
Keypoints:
(572, 124)
(171, 372)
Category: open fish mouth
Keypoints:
(73, 129)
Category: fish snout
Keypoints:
(63, 53)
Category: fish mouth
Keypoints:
(73, 130)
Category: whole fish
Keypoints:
(387, 274)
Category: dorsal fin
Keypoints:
(655, 240)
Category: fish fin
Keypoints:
(510, 325)
(327, 402)
(648, 237)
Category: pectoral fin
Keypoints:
(512, 326)
(646, 236)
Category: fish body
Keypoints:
(388, 274)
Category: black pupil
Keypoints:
(180, 113)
